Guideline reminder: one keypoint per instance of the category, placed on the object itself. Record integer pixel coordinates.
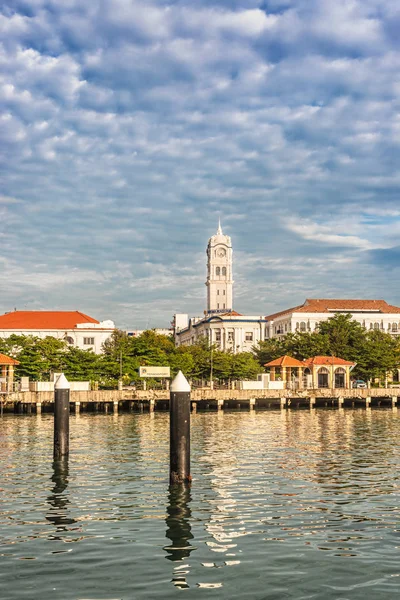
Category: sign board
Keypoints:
(163, 372)
(217, 311)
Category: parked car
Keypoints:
(359, 383)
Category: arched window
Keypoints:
(323, 377)
(223, 270)
(297, 326)
(340, 377)
(389, 326)
(394, 326)
(69, 339)
(376, 326)
(303, 326)
(217, 271)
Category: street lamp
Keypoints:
(211, 368)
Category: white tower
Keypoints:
(219, 273)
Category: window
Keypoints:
(217, 335)
(249, 336)
(223, 270)
(218, 305)
(230, 336)
(223, 305)
(217, 271)
(303, 326)
(389, 326)
(88, 341)
(217, 292)
(340, 378)
(224, 292)
(376, 326)
(394, 327)
(69, 339)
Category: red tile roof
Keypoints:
(7, 360)
(43, 319)
(327, 361)
(285, 361)
(332, 305)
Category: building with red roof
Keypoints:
(76, 328)
(229, 330)
(371, 314)
(314, 372)
(7, 365)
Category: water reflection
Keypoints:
(179, 531)
(58, 500)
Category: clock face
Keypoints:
(221, 252)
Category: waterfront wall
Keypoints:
(197, 395)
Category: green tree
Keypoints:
(345, 336)
(305, 344)
(379, 355)
(268, 350)
(245, 366)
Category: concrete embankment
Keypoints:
(105, 400)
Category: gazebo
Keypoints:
(7, 365)
(288, 369)
(329, 371)
(315, 372)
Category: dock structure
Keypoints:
(113, 401)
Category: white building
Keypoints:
(223, 326)
(371, 314)
(139, 332)
(229, 330)
(219, 273)
(76, 328)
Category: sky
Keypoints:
(128, 127)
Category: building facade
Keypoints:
(371, 314)
(139, 332)
(232, 331)
(74, 327)
(220, 325)
(219, 273)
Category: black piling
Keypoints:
(179, 414)
(61, 418)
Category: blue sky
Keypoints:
(128, 127)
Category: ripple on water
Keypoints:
(283, 505)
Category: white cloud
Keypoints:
(128, 127)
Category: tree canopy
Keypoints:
(123, 355)
(374, 352)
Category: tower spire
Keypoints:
(219, 232)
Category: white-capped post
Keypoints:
(179, 417)
(61, 417)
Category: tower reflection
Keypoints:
(179, 531)
(58, 500)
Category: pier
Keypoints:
(108, 401)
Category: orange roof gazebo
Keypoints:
(7, 360)
(285, 361)
(7, 365)
(285, 364)
(327, 361)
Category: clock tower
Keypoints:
(219, 273)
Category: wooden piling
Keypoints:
(61, 417)
(179, 412)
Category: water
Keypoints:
(284, 505)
